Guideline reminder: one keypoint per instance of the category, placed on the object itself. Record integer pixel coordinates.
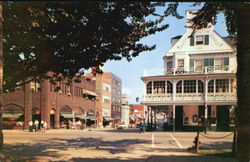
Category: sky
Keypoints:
(131, 72)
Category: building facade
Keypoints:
(110, 87)
(54, 103)
(198, 86)
(136, 114)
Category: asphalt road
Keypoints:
(109, 145)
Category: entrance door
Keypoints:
(52, 121)
(178, 117)
(222, 118)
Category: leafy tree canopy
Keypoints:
(63, 37)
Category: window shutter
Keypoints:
(226, 61)
(191, 63)
(192, 41)
(206, 39)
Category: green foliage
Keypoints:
(64, 37)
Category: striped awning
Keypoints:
(91, 117)
(108, 118)
(11, 115)
(81, 116)
(68, 116)
(84, 91)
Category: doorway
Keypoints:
(52, 121)
(222, 118)
(178, 118)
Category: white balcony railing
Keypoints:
(191, 98)
(191, 70)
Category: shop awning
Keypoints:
(108, 118)
(91, 117)
(68, 116)
(81, 116)
(11, 115)
(84, 91)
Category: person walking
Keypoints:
(45, 126)
(42, 126)
(30, 126)
(36, 125)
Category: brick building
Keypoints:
(55, 104)
(136, 114)
(109, 86)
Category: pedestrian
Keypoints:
(42, 126)
(36, 125)
(31, 126)
(45, 126)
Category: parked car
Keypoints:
(122, 126)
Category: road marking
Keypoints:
(153, 140)
(177, 142)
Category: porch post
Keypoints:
(151, 119)
(206, 91)
(148, 118)
(155, 117)
(173, 118)
(205, 118)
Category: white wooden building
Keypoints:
(198, 85)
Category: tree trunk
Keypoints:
(1, 76)
(243, 85)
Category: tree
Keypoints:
(64, 37)
(238, 25)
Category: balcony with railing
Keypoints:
(190, 98)
(191, 70)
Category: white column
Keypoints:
(173, 118)
(229, 84)
(182, 87)
(196, 86)
(206, 88)
(174, 89)
(214, 86)
(166, 82)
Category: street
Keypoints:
(109, 145)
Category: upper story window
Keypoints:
(170, 64)
(159, 87)
(180, 63)
(149, 88)
(106, 87)
(199, 40)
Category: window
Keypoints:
(200, 86)
(191, 63)
(159, 86)
(222, 85)
(106, 87)
(149, 88)
(211, 86)
(189, 86)
(179, 87)
(169, 64)
(209, 62)
(106, 99)
(199, 39)
(169, 87)
(180, 63)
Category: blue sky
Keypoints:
(131, 72)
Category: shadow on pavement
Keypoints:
(170, 158)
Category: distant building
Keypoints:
(136, 114)
(110, 88)
(55, 104)
(198, 87)
(125, 110)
